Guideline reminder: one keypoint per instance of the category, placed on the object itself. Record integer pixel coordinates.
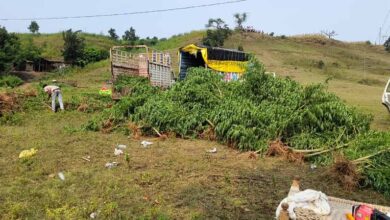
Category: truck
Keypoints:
(142, 61)
(386, 96)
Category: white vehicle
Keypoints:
(386, 96)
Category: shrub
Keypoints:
(10, 81)
(91, 55)
(320, 64)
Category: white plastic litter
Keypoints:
(118, 152)
(308, 199)
(61, 176)
(214, 150)
(110, 165)
(313, 166)
(146, 143)
(93, 215)
(121, 146)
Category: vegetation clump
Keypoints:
(10, 81)
(308, 122)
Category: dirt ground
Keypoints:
(171, 179)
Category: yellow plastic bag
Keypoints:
(28, 153)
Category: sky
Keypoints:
(353, 20)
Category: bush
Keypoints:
(91, 55)
(10, 81)
(320, 64)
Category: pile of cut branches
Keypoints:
(312, 123)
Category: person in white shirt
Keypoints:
(54, 91)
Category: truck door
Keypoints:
(386, 96)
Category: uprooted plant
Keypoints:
(246, 114)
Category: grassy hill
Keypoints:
(357, 71)
(52, 44)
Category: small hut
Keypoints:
(227, 62)
(47, 65)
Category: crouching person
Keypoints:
(54, 91)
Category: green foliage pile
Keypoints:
(247, 114)
(138, 89)
(371, 153)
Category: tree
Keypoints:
(9, 50)
(217, 33)
(240, 19)
(34, 27)
(29, 51)
(112, 34)
(73, 46)
(329, 34)
(130, 35)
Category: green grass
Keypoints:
(52, 44)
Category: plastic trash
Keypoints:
(28, 153)
(121, 146)
(313, 166)
(87, 158)
(308, 199)
(93, 215)
(111, 165)
(146, 143)
(61, 176)
(214, 150)
(118, 152)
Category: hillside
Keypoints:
(52, 44)
(357, 72)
